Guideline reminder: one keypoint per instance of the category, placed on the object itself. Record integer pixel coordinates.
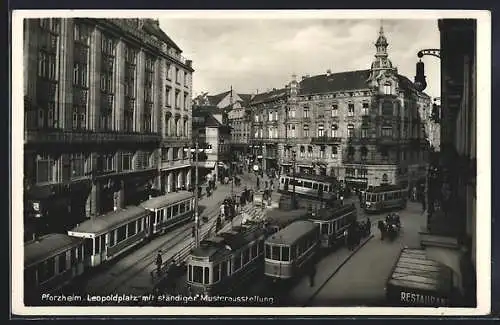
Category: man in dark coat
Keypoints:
(159, 262)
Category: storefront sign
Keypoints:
(413, 298)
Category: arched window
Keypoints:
(350, 151)
(334, 151)
(387, 88)
(335, 131)
(306, 131)
(350, 130)
(302, 151)
(321, 130)
(385, 179)
(309, 152)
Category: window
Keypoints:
(321, 130)
(387, 88)
(237, 262)
(350, 172)
(62, 263)
(322, 152)
(364, 153)
(306, 131)
(44, 168)
(186, 101)
(206, 277)
(267, 253)
(177, 76)
(350, 152)
(132, 228)
(350, 109)
(365, 109)
(285, 254)
(291, 113)
(334, 131)
(256, 117)
(168, 72)
(309, 152)
(77, 165)
(302, 151)
(197, 274)
(121, 234)
(335, 110)
(362, 173)
(334, 151)
(306, 113)
(270, 116)
(127, 161)
(106, 162)
(275, 253)
(387, 108)
(254, 251)
(186, 79)
(246, 256)
(350, 130)
(386, 130)
(47, 65)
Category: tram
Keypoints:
(385, 197)
(290, 250)
(320, 187)
(168, 211)
(221, 264)
(112, 234)
(275, 219)
(333, 222)
(50, 263)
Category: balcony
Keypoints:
(54, 137)
(325, 140)
(174, 164)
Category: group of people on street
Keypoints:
(356, 231)
(390, 226)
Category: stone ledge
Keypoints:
(429, 239)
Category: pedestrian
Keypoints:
(341, 199)
(312, 274)
(222, 210)
(369, 225)
(159, 262)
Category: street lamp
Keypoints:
(196, 200)
(294, 161)
(420, 82)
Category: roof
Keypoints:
(224, 243)
(48, 246)
(284, 217)
(206, 110)
(291, 233)
(317, 178)
(216, 99)
(151, 27)
(385, 188)
(109, 221)
(168, 199)
(414, 271)
(269, 96)
(246, 97)
(343, 81)
(324, 214)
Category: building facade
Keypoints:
(363, 127)
(450, 235)
(96, 96)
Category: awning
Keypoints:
(206, 164)
(305, 166)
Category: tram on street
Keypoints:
(276, 219)
(112, 234)
(385, 197)
(333, 222)
(168, 211)
(223, 263)
(289, 251)
(319, 187)
(50, 263)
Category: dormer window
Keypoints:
(387, 88)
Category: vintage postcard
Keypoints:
(185, 161)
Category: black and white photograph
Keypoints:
(253, 160)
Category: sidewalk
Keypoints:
(302, 293)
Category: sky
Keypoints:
(252, 54)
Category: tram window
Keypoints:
(324, 228)
(282, 181)
(103, 243)
(96, 245)
(308, 184)
(72, 257)
(237, 262)
(223, 270)
(216, 270)
(197, 274)
(397, 195)
(132, 228)
(206, 277)
(182, 208)
(275, 253)
(315, 186)
(254, 251)
(268, 251)
(285, 254)
(246, 256)
(390, 196)
(121, 234)
(175, 211)
(89, 245)
(50, 268)
(190, 273)
(62, 262)
(169, 213)
(111, 238)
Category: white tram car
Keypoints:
(50, 263)
(276, 219)
(290, 250)
(224, 262)
(333, 222)
(385, 197)
(309, 186)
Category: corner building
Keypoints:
(363, 127)
(101, 116)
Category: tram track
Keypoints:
(176, 237)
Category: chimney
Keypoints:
(328, 72)
(303, 77)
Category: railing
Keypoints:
(325, 140)
(87, 137)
